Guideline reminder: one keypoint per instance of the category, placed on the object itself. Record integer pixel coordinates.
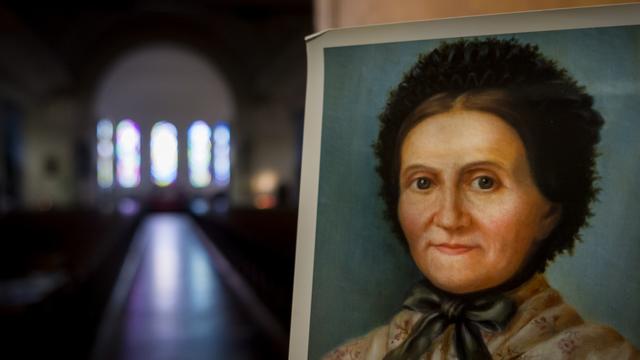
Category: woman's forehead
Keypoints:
(462, 136)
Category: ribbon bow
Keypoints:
(440, 310)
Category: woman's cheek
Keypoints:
(498, 224)
(413, 214)
(505, 237)
(408, 220)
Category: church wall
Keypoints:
(337, 13)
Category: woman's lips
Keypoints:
(453, 249)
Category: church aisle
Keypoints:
(177, 306)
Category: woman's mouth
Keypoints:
(453, 249)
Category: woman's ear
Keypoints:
(549, 221)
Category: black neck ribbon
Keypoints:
(440, 310)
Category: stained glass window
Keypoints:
(221, 154)
(199, 153)
(128, 154)
(164, 153)
(104, 133)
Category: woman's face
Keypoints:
(468, 204)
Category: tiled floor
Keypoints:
(178, 306)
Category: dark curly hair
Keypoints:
(552, 114)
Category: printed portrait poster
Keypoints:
(353, 273)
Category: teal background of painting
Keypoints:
(361, 272)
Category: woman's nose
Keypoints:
(451, 213)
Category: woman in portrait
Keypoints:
(486, 152)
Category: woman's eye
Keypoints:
(484, 183)
(423, 183)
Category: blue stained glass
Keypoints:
(221, 154)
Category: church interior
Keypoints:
(150, 157)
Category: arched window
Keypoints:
(221, 154)
(199, 153)
(164, 153)
(128, 154)
(104, 147)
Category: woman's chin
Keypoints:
(458, 273)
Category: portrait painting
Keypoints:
(470, 189)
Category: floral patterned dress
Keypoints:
(544, 327)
